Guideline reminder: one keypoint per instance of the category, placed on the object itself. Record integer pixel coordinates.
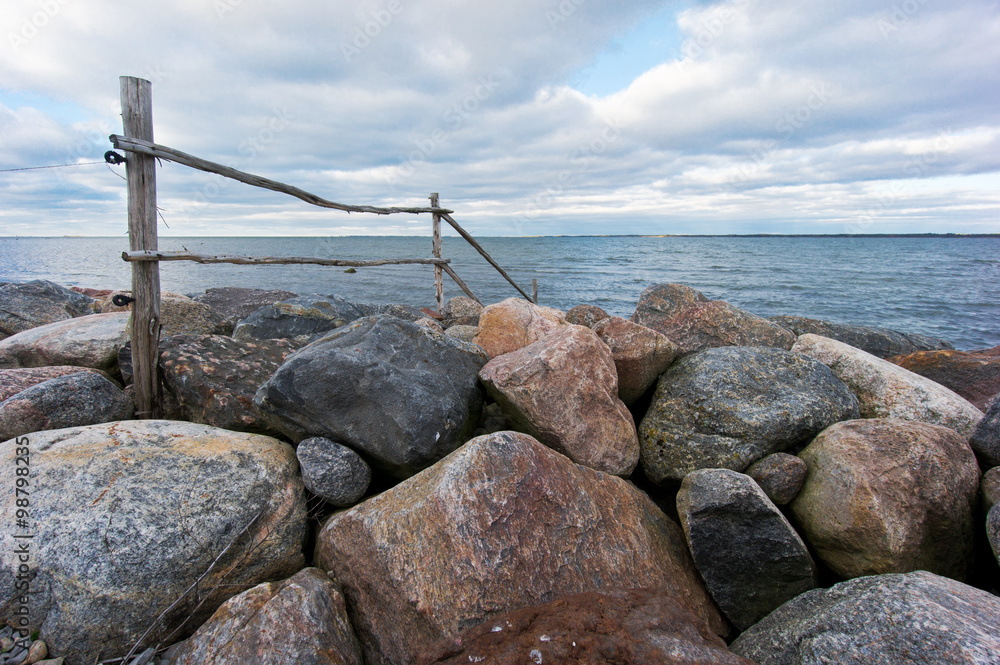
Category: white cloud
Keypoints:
(770, 116)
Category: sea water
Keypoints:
(947, 287)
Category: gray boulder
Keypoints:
(728, 407)
(296, 317)
(401, 394)
(84, 398)
(127, 515)
(333, 471)
(780, 475)
(993, 530)
(880, 620)
(235, 303)
(989, 488)
(85, 341)
(13, 381)
(985, 439)
(880, 342)
(26, 305)
(750, 557)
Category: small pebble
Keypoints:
(38, 650)
(6, 644)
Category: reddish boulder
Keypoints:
(500, 524)
(694, 323)
(638, 626)
(515, 323)
(563, 390)
(586, 315)
(641, 355)
(975, 375)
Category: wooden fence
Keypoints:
(143, 254)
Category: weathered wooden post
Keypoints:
(438, 272)
(137, 120)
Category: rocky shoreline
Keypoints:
(338, 482)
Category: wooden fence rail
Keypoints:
(137, 115)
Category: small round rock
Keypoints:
(780, 475)
(333, 471)
(586, 315)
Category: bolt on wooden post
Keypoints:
(137, 120)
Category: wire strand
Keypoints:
(54, 166)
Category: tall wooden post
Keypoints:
(438, 271)
(137, 118)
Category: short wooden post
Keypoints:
(438, 272)
(534, 291)
(137, 119)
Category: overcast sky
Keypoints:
(530, 117)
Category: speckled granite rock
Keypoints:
(461, 311)
(780, 475)
(84, 398)
(985, 439)
(641, 355)
(179, 315)
(514, 324)
(885, 390)
(889, 496)
(301, 620)
(563, 390)
(694, 323)
(213, 379)
(971, 374)
(881, 620)
(751, 558)
(401, 394)
(637, 627)
(993, 530)
(333, 471)
(13, 381)
(302, 316)
(502, 523)
(586, 315)
(26, 305)
(728, 407)
(989, 488)
(86, 341)
(880, 342)
(139, 510)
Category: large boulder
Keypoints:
(127, 515)
(234, 303)
(985, 439)
(502, 523)
(300, 620)
(637, 627)
(84, 398)
(993, 530)
(296, 317)
(750, 557)
(86, 341)
(881, 620)
(641, 355)
(694, 323)
(880, 342)
(885, 390)
(515, 323)
(461, 311)
(26, 305)
(889, 496)
(401, 394)
(179, 315)
(728, 407)
(213, 379)
(13, 381)
(975, 375)
(563, 390)
(586, 315)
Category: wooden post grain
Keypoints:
(438, 272)
(137, 119)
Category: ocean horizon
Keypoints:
(943, 285)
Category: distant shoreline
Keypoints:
(593, 235)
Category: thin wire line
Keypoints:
(54, 166)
